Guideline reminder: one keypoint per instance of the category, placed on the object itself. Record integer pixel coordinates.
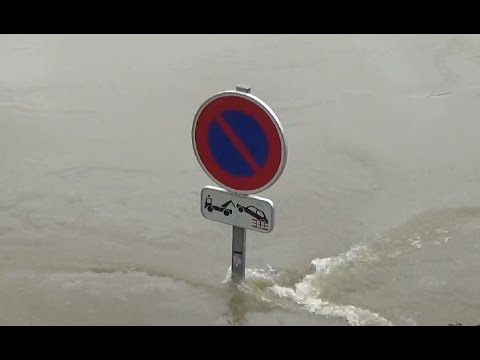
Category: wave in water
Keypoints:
(268, 286)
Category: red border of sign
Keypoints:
(268, 121)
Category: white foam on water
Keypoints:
(228, 276)
(308, 292)
(415, 243)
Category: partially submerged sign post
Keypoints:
(239, 143)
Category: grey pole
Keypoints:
(238, 253)
(239, 235)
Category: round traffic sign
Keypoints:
(239, 142)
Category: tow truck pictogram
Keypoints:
(223, 208)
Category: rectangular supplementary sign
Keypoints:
(248, 212)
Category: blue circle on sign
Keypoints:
(224, 144)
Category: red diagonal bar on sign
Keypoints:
(237, 143)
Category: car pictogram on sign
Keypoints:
(253, 211)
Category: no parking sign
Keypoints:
(239, 143)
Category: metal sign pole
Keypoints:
(238, 253)
(239, 236)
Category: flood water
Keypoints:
(377, 211)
